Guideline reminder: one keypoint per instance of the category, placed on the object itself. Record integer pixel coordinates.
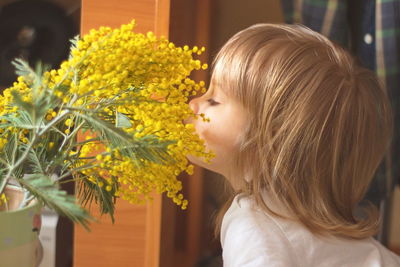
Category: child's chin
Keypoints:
(194, 160)
(199, 162)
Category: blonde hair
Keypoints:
(319, 126)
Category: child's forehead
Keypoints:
(216, 82)
(226, 72)
(219, 88)
(219, 75)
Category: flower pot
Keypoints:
(19, 231)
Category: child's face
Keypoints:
(223, 132)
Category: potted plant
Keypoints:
(109, 119)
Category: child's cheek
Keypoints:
(217, 136)
(205, 131)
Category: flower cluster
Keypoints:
(3, 199)
(138, 83)
(5, 101)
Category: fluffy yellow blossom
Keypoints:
(150, 77)
(3, 141)
(139, 83)
(3, 199)
(51, 145)
(69, 122)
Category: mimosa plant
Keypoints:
(125, 95)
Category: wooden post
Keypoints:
(134, 240)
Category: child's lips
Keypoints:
(188, 120)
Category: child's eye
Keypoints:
(212, 102)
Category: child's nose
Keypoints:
(194, 105)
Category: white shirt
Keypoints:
(252, 238)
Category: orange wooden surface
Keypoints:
(134, 240)
(97, 13)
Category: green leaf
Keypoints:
(27, 106)
(106, 130)
(32, 77)
(2, 175)
(89, 192)
(22, 121)
(32, 113)
(147, 148)
(41, 186)
(151, 149)
(122, 121)
(74, 44)
(10, 149)
(37, 161)
(22, 67)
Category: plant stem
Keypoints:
(20, 160)
(26, 152)
(69, 136)
(68, 173)
(26, 200)
(70, 180)
(48, 126)
(87, 141)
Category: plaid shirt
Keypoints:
(372, 33)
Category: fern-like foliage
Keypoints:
(48, 193)
(42, 150)
(147, 148)
(89, 192)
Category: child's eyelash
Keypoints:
(212, 102)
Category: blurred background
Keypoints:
(36, 30)
(41, 30)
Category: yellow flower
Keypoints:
(3, 199)
(69, 122)
(3, 142)
(148, 77)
